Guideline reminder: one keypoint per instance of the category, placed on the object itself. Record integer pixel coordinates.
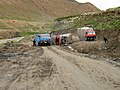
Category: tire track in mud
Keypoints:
(17, 75)
(30, 71)
(49, 68)
(68, 76)
(106, 75)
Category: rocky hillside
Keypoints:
(38, 9)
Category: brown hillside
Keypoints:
(32, 15)
(37, 9)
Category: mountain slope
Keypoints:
(37, 9)
(36, 15)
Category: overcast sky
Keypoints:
(103, 4)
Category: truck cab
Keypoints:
(43, 39)
(86, 33)
(90, 35)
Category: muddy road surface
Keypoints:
(50, 68)
(13, 39)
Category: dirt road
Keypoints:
(50, 68)
(9, 40)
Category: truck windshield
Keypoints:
(45, 36)
(91, 32)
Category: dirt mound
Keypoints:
(64, 31)
(87, 47)
(99, 48)
(9, 34)
(113, 37)
(12, 49)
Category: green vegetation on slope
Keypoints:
(29, 28)
(28, 33)
(99, 22)
(106, 20)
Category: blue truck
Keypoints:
(43, 39)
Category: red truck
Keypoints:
(86, 33)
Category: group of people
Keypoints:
(36, 40)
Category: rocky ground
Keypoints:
(24, 67)
(95, 49)
(98, 48)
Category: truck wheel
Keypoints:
(88, 39)
(85, 39)
(39, 44)
(50, 43)
(94, 39)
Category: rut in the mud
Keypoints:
(21, 69)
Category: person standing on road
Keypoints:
(34, 42)
(37, 40)
(105, 40)
(56, 40)
(59, 40)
